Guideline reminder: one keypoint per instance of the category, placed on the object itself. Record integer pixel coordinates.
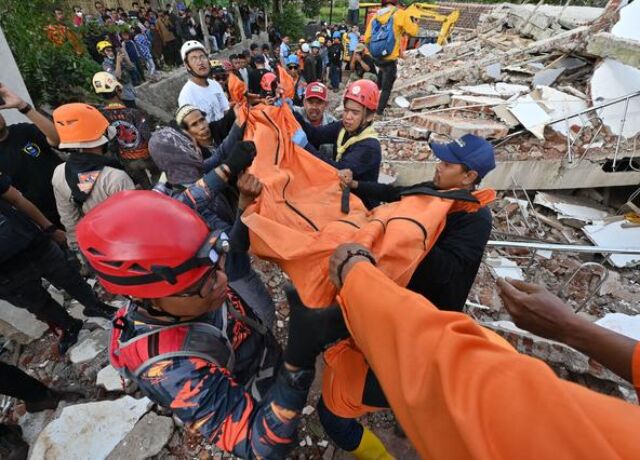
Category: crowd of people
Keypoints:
(196, 334)
(146, 39)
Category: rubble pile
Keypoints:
(526, 79)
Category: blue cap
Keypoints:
(292, 59)
(472, 151)
(337, 34)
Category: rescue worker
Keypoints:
(120, 66)
(200, 90)
(299, 83)
(90, 175)
(461, 391)
(314, 111)
(30, 249)
(189, 342)
(132, 131)
(388, 63)
(356, 146)
(362, 64)
(446, 274)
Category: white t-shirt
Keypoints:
(210, 99)
(354, 4)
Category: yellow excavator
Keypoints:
(436, 22)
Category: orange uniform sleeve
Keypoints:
(458, 394)
(635, 369)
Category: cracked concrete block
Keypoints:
(457, 127)
(19, 325)
(607, 45)
(432, 100)
(148, 437)
(90, 430)
(90, 347)
(109, 378)
(476, 103)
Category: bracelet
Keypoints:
(26, 109)
(350, 255)
(50, 230)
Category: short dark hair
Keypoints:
(466, 168)
(233, 56)
(265, 46)
(253, 46)
(98, 2)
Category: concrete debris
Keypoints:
(19, 325)
(402, 102)
(547, 77)
(615, 234)
(504, 268)
(94, 428)
(109, 378)
(476, 103)
(606, 45)
(146, 440)
(432, 100)
(628, 25)
(457, 127)
(90, 347)
(612, 80)
(561, 106)
(429, 49)
(494, 71)
(622, 324)
(531, 114)
(571, 208)
(497, 89)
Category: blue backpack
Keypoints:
(383, 40)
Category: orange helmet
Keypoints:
(80, 126)
(364, 92)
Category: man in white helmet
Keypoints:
(200, 90)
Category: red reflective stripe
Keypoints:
(172, 340)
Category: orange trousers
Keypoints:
(459, 394)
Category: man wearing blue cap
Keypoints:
(447, 272)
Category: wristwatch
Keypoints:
(26, 109)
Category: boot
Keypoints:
(371, 448)
(69, 337)
(12, 446)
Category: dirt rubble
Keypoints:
(471, 86)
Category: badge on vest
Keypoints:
(31, 149)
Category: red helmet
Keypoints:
(364, 92)
(269, 82)
(144, 244)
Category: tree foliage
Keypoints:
(53, 74)
(291, 21)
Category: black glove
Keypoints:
(240, 157)
(310, 331)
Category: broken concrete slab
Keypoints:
(607, 45)
(496, 89)
(432, 100)
(530, 114)
(505, 116)
(90, 430)
(476, 103)
(613, 234)
(622, 324)
(547, 77)
(570, 207)
(629, 24)
(90, 347)
(402, 102)
(19, 325)
(429, 49)
(494, 71)
(109, 378)
(502, 267)
(146, 440)
(561, 106)
(457, 127)
(612, 80)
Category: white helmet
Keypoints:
(315, 44)
(189, 46)
(305, 48)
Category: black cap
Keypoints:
(259, 59)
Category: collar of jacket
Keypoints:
(342, 145)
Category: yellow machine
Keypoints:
(435, 26)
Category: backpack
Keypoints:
(383, 40)
(131, 355)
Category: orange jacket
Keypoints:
(297, 220)
(459, 395)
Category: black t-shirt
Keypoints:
(26, 156)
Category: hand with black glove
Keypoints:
(240, 158)
(310, 331)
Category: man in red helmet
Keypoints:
(189, 341)
(356, 145)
